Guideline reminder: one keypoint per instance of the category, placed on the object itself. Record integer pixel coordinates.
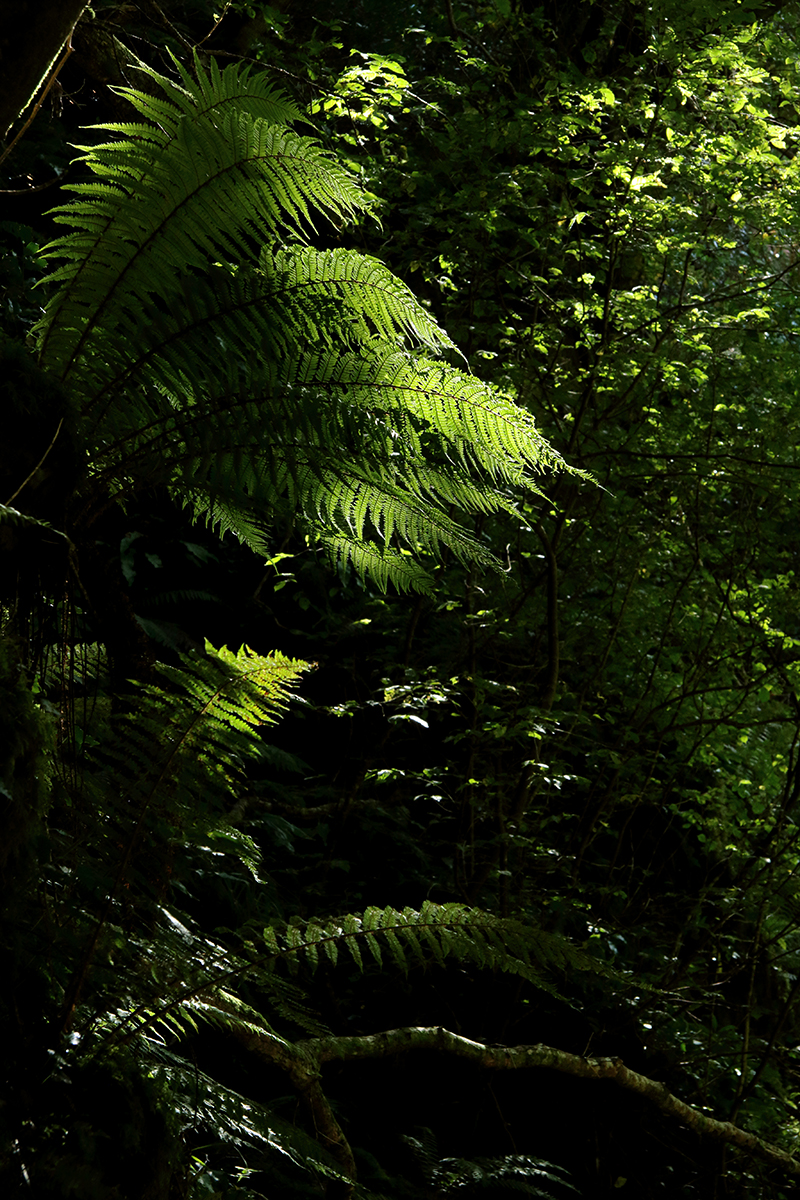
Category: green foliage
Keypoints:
(187, 252)
(601, 206)
(25, 762)
(464, 1177)
(165, 776)
(554, 804)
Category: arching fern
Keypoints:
(213, 351)
(196, 977)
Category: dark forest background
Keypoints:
(573, 769)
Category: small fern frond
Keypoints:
(516, 1172)
(462, 1176)
(173, 765)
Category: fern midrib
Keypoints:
(113, 385)
(145, 246)
(164, 143)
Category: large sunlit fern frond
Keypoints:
(211, 350)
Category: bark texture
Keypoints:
(510, 1058)
(303, 1062)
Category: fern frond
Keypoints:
(205, 981)
(173, 765)
(160, 213)
(381, 564)
(433, 934)
(200, 1102)
(515, 1172)
(258, 380)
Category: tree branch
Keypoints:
(303, 1068)
(32, 34)
(303, 1061)
(505, 1058)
